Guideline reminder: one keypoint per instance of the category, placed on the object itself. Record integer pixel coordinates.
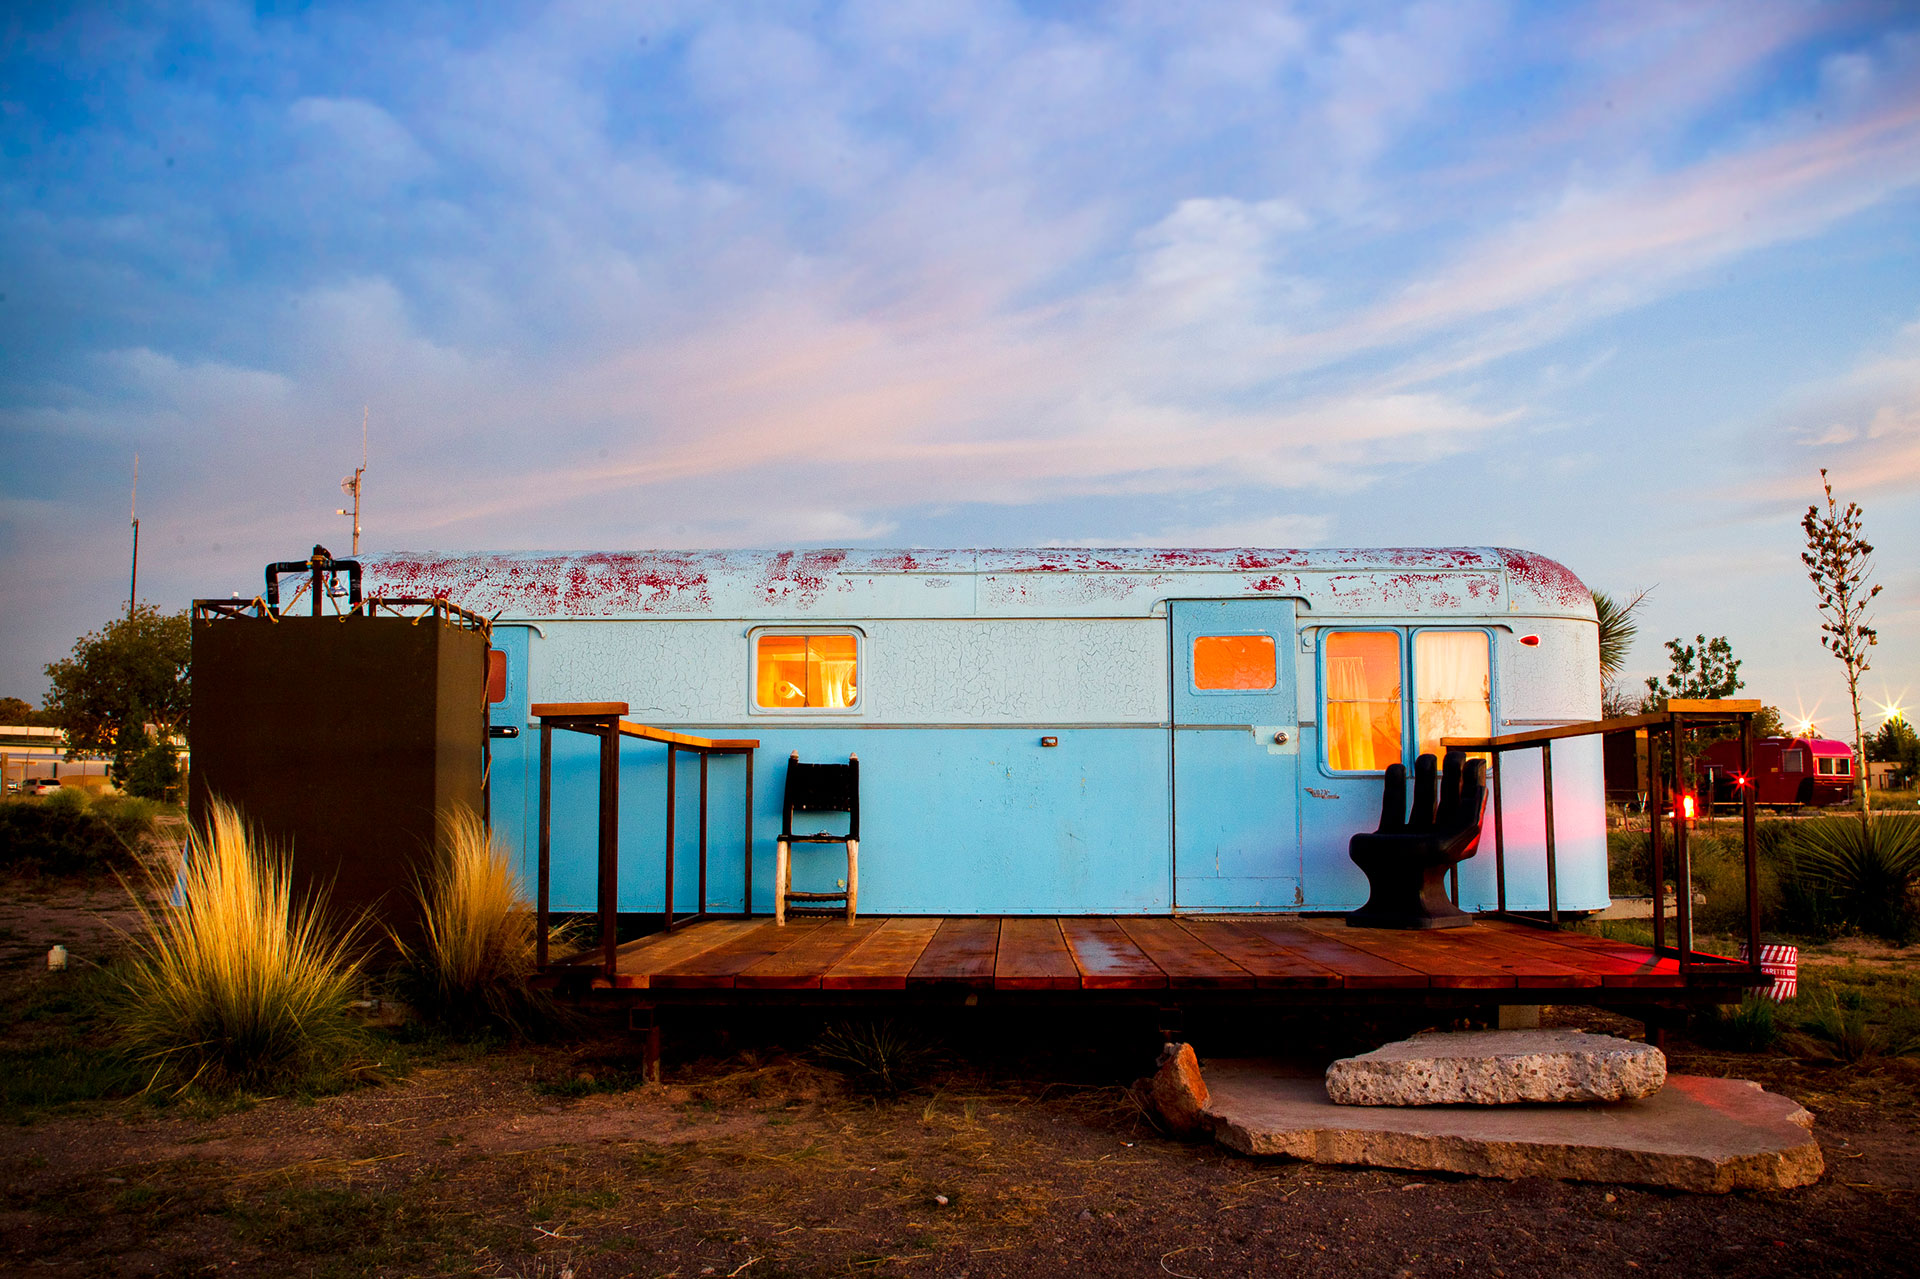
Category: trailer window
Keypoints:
(1793, 761)
(1452, 687)
(1363, 700)
(1834, 766)
(806, 672)
(1238, 662)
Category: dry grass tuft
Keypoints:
(476, 951)
(234, 984)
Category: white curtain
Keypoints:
(1453, 688)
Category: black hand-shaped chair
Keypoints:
(818, 788)
(1407, 859)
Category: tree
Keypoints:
(1705, 668)
(1839, 560)
(1897, 743)
(131, 673)
(1617, 630)
(1769, 723)
(17, 712)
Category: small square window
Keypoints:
(1240, 663)
(1793, 761)
(806, 672)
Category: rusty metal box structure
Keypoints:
(342, 739)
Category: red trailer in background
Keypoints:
(1810, 772)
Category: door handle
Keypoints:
(1279, 739)
(502, 730)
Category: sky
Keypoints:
(1610, 282)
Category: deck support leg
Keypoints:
(1171, 1024)
(1659, 1021)
(646, 1023)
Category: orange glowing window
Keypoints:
(1363, 722)
(1234, 662)
(806, 672)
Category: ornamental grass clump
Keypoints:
(1864, 875)
(236, 985)
(475, 953)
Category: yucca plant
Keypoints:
(475, 953)
(1867, 873)
(234, 984)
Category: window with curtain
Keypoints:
(806, 672)
(1452, 688)
(1363, 726)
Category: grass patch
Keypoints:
(878, 1056)
(470, 968)
(235, 985)
(55, 1052)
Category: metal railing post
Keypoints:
(543, 888)
(1747, 834)
(610, 844)
(1499, 838)
(1656, 841)
(1553, 868)
(703, 832)
(667, 905)
(746, 888)
(1682, 854)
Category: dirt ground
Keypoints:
(1015, 1151)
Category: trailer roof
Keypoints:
(1070, 582)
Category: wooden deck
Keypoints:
(1308, 958)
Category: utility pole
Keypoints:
(133, 581)
(351, 485)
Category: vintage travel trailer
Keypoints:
(1050, 732)
(1788, 772)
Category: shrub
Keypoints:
(875, 1055)
(1749, 1026)
(68, 834)
(476, 949)
(1845, 873)
(1841, 1019)
(235, 984)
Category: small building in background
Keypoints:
(28, 752)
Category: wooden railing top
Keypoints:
(646, 732)
(1692, 707)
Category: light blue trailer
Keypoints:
(1046, 732)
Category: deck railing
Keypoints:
(1674, 718)
(604, 721)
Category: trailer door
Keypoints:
(1236, 756)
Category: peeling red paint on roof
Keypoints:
(1546, 578)
(843, 583)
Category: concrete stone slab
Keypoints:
(1498, 1068)
(1704, 1135)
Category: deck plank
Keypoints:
(1617, 963)
(717, 968)
(1034, 956)
(882, 961)
(1532, 968)
(1273, 966)
(961, 953)
(1187, 961)
(1447, 967)
(640, 958)
(803, 965)
(1357, 969)
(1107, 958)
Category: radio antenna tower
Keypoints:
(351, 485)
(133, 513)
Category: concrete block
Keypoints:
(1498, 1068)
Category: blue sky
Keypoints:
(1609, 282)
